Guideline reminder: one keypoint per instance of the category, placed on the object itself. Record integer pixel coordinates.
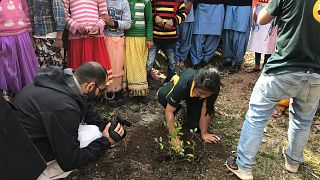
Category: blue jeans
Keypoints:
(304, 90)
(169, 50)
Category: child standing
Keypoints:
(86, 36)
(236, 33)
(18, 63)
(167, 15)
(207, 30)
(118, 20)
(263, 37)
(138, 41)
(48, 23)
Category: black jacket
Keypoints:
(51, 109)
(19, 159)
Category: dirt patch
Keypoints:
(139, 156)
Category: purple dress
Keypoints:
(18, 63)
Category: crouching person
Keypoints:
(200, 89)
(51, 111)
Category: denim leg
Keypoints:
(197, 44)
(304, 89)
(302, 110)
(152, 56)
(169, 50)
(260, 109)
(257, 58)
(210, 46)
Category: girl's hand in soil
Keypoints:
(210, 138)
(176, 144)
(119, 129)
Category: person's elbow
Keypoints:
(264, 17)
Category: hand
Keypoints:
(57, 45)
(188, 6)
(149, 44)
(176, 145)
(81, 29)
(169, 25)
(94, 31)
(210, 138)
(159, 21)
(108, 20)
(119, 129)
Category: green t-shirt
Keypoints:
(298, 43)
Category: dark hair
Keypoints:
(91, 72)
(208, 79)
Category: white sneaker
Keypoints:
(289, 167)
(233, 167)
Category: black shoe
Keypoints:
(235, 68)
(225, 64)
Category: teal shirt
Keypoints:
(298, 43)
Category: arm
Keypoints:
(71, 24)
(170, 120)
(26, 11)
(62, 130)
(264, 17)
(169, 115)
(149, 24)
(103, 9)
(204, 124)
(58, 13)
(180, 14)
(125, 23)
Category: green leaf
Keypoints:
(191, 130)
(161, 146)
(160, 139)
(188, 142)
(195, 129)
(156, 139)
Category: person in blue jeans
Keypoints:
(292, 71)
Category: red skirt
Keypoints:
(88, 49)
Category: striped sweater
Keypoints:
(167, 9)
(84, 12)
(141, 16)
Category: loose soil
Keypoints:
(139, 156)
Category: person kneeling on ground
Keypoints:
(51, 111)
(200, 89)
